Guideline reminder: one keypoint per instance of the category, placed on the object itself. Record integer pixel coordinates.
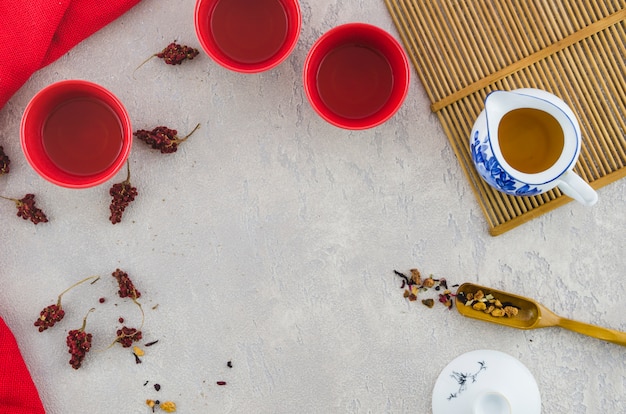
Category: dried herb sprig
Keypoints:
(52, 314)
(122, 195)
(27, 209)
(4, 162)
(163, 138)
(173, 54)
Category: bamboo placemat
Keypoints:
(464, 49)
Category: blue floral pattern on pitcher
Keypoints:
(491, 171)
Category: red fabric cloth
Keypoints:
(18, 394)
(34, 33)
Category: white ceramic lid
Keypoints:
(486, 382)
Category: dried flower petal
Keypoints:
(416, 276)
(480, 306)
(138, 351)
(511, 311)
(168, 406)
(428, 283)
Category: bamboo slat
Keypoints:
(464, 49)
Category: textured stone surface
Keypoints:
(270, 237)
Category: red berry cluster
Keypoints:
(126, 336)
(49, 316)
(175, 54)
(4, 162)
(27, 209)
(163, 138)
(79, 343)
(122, 195)
(126, 287)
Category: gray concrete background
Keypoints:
(270, 239)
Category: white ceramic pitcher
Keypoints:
(486, 149)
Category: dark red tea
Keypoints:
(354, 81)
(82, 136)
(249, 31)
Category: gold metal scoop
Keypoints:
(532, 315)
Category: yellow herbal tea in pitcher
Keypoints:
(531, 140)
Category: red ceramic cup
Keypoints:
(356, 76)
(248, 36)
(76, 134)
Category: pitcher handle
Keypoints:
(572, 185)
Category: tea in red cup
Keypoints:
(356, 76)
(76, 134)
(248, 35)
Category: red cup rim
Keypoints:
(401, 85)
(60, 177)
(204, 36)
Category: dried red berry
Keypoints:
(163, 138)
(175, 54)
(79, 343)
(126, 336)
(27, 210)
(122, 195)
(49, 316)
(4, 162)
(126, 287)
